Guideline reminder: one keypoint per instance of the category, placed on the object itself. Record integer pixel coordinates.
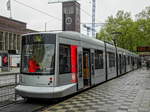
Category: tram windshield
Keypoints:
(38, 55)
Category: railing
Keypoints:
(8, 82)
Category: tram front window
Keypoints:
(38, 58)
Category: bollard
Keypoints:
(15, 86)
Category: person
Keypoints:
(33, 66)
(147, 64)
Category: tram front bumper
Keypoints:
(45, 92)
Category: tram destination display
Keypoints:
(143, 49)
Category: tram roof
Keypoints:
(81, 37)
(72, 35)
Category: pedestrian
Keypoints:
(33, 65)
(147, 64)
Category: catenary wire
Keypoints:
(40, 11)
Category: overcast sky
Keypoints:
(36, 20)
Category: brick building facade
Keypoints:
(10, 34)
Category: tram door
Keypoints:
(80, 68)
(86, 68)
(118, 65)
(125, 59)
(92, 67)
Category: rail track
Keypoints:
(28, 106)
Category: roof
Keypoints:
(10, 19)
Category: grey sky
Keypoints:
(35, 20)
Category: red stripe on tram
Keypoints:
(74, 63)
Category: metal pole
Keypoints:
(116, 57)
(15, 85)
(45, 26)
(93, 17)
(10, 10)
(88, 30)
(114, 40)
(106, 60)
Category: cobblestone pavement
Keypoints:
(129, 93)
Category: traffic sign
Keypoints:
(143, 49)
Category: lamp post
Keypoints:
(106, 72)
(114, 35)
(105, 55)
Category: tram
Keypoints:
(54, 65)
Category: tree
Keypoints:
(133, 33)
(143, 29)
(122, 23)
(144, 14)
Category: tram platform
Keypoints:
(128, 93)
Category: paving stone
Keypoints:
(110, 102)
(128, 93)
(132, 110)
(122, 111)
(143, 110)
(123, 108)
(91, 111)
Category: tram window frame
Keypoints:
(92, 64)
(111, 59)
(64, 56)
(124, 60)
(99, 60)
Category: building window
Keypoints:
(14, 41)
(64, 59)
(18, 42)
(10, 41)
(111, 59)
(1, 41)
(99, 59)
(6, 41)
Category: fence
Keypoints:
(8, 82)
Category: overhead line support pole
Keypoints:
(93, 17)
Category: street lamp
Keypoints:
(114, 35)
(105, 55)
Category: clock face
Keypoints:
(68, 20)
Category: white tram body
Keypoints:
(68, 62)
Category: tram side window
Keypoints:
(80, 64)
(111, 59)
(124, 62)
(99, 59)
(64, 59)
(128, 60)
